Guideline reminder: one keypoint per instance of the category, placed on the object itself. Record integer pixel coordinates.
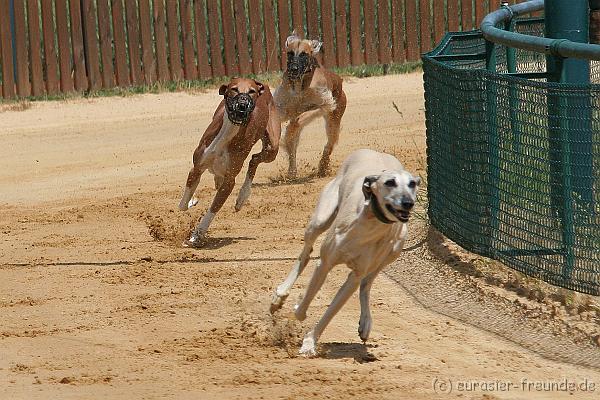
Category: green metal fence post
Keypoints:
(570, 136)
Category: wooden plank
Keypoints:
(64, 47)
(480, 11)
(90, 40)
(162, 65)
(439, 21)
(105, 37)
(189, 58)
(148, 59)
(133, 39)
(312, 19)
(283, 14)
(355, 30)
(204, 70)
(466, 15)
(120, 48)
(329, 59)
(241, 36)
(173, 37)
(228, 26)
(452, 15)
(341, 33)
(370, 35)
(50, 57)
(383, 17)
(256, 40)
(412, 42)
(297, 17)
(398, 49)
(20, 41)
(424, 19)
(81, 82)
(8, 72)
(271, 50)
(35, 48)
(216, 56)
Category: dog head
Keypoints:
(392, 194)
(301, 56)
(240, 98)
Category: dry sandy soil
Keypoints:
(99, 300)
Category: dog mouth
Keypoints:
(239, 108)
(401, 215)
(297, 66)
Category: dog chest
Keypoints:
(292, 103)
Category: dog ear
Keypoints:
(316, 46)
(366, 186)
(223, 90)
(291, 39)
(261, 87)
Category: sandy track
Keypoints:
(99, 300)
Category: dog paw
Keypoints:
(194, 241)
(364, 327)
(277, 302)
(308, 348)
(192, 202)
(299, 314)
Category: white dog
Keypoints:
(365, 210)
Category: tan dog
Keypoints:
(365, 211)
(308, 91)
(245, 116)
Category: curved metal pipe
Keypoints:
(556, 47)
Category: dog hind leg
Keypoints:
(310, 340)
(320, 221)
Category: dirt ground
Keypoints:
(99, 299)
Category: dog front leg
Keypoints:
(310, 340)
(187, 200)
(199, 233)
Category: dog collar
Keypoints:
(378, 212)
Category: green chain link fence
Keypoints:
(511, 168)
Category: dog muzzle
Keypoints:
(297, 66)
(239, 108)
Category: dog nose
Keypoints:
(408, 204)
(294, 68)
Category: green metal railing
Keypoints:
(513, 142)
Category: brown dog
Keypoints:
(245, 116)
(308, 91)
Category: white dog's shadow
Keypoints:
(358, 351)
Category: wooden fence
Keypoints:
(54, 46)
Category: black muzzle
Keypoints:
(297, 65)
(239, 108)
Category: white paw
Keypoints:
(308, 348)
(298, 313)
(192, 202)
(277, 302)
(196, 240)
(364, 327)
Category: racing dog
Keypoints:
(365, 211)
(245, 115)
(308, 91)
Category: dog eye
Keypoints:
(412, 184)
(235, 90)
(252, 91)
(390, 183)
(290, 54)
